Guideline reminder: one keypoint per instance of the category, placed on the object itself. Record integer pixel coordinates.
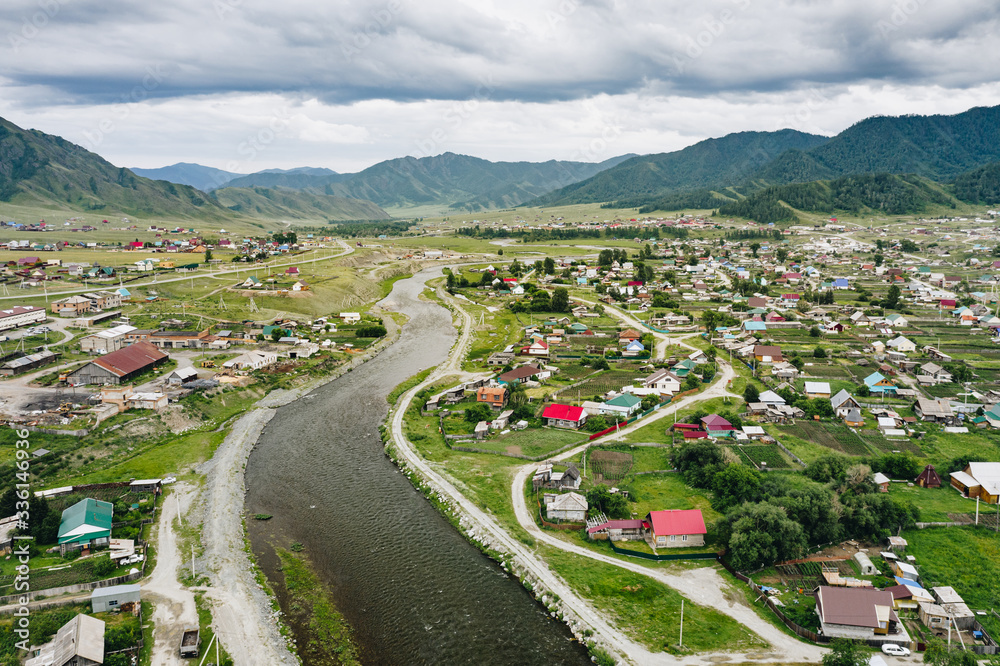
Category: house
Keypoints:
(663, 381)
(716, 426)
(181, 376)
(771, 398)
(146, 400)
(86, 524)
(882, 481)
(79, 642)
(904, 570)
(622, 406)
(683, 368)
(936, 410)
(902, 345)
(494, 396)
(978, 480)
(105, 599)
(120, 366)
(106, 341)
(567, 506)
(617, 530)
(935, 374)
(853, 418)
(519, 375)
(955, 606)
(896, 320)
(767, 354)
(928, 478)
(859, 613)
(878, 384)
(19, 315)
(633, 349)
(252, 360)
(481, 430)
(628, 335)
(843, 402)
(564, 416)
(817, 389)
(676, 528)
(536, 348)
(503, 420)
(350, 317)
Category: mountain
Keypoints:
(294, 179)
(281, 204)
(200, 177)
(458, 181)
(979, 186)
(309, 171)
(936, 147)
(729, 160)
(44, 170)
(863, 194)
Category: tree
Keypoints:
(560, 300)
(735, 485)
(759, 535)
(691, 382)
(754, 248)
(596, 424)
(782, 254)
(208, 256)
(549, 266)
(879, 259)
(698, 461)
(500, 252)
(751, 394)
(844, 652)
(613, 505)
(277, 333)
(813, 507)
(831, 467)
(819, 352)
(601, 364)
(814, 332)
(891, 301)
(478, 412)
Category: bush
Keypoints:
(478, 412)
(374, 331)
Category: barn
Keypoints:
(121, 366)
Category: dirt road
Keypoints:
(174, 605)
(240, 608)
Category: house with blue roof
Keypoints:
(634, 348)
(841, 283)
(878, 384)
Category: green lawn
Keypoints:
(648, 611)
(935, 503)
(169, 456)
(532, 442)
(965, 558)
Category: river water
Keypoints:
(412, 588)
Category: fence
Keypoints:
(675, 557)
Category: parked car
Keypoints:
(895, 650)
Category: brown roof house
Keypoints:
(121, 366)
(859, 613)
(494, 396)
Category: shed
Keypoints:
(929, 478)
(105, 599)
(145, 485)
(904, 570)
(867, 566)
(882, 481)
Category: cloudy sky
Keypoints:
(245, 85)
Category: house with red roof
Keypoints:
(564, 416)
(536, 348)
(676, 528)
(716, 426)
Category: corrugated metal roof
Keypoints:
(130, 359)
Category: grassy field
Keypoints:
(935, 503)
(648, 611)
(532, 443)
(966, 558)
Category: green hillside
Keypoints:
(278, 204)
(713, 163)
(979, 186)
(38, 169)
(886, 194)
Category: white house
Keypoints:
(568, 506)
(901, 344)
(350, 317)
(252, 360)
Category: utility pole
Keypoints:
(681, 641)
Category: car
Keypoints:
(895, 650)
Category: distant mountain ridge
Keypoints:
(291, 204)
(458, 181)
(938, 147)
(728, 160)
(201, 177)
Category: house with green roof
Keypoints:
(683, 368)
(86, 524)
(624, 405)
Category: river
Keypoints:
(412, 588)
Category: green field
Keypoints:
(648, 611)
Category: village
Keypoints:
(649, 392)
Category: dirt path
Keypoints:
(174, 605)
(240, 608)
